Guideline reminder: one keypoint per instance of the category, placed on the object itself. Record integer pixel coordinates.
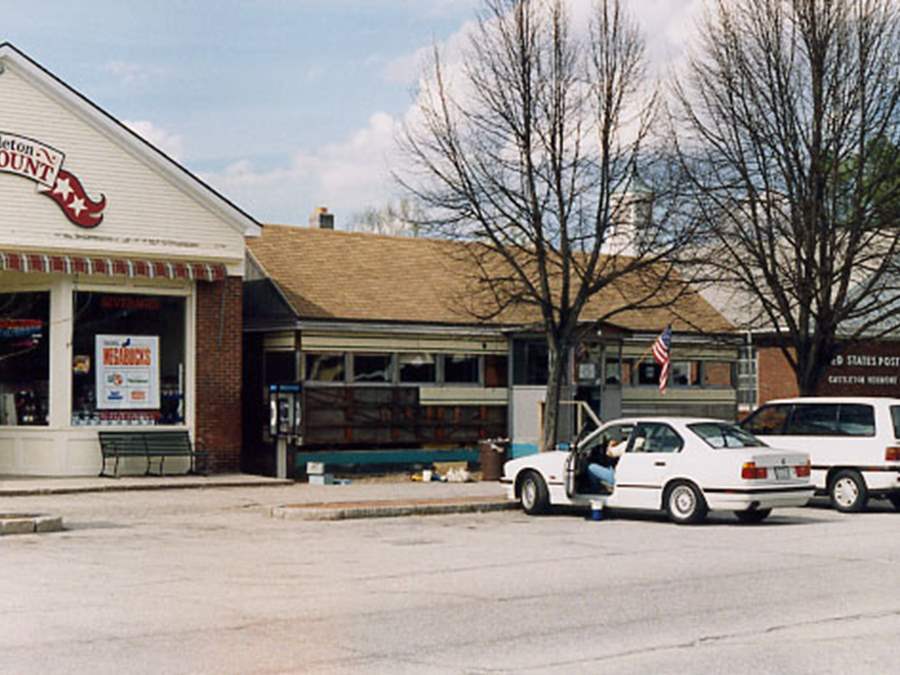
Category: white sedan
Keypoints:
(683, 466)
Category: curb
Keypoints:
(29, 523)
(389, 509)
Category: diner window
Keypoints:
(531, 362)
(461, 369)
(325, 367)
(613, 371)
(681, 374)
(417, 368)
(24, 358)
(718, 374)
(372, 368)
(496, 370)
(648, 373)
(280, 367)
(128, 359)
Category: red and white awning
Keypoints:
(111, 267)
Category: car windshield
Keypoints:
(720, 435)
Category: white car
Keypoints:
(683, 466)
(854, 444)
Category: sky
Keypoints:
(281, 105)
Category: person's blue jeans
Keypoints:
(601, 475)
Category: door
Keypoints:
(586, 452)
(652, 455)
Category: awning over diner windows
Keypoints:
(111, 267)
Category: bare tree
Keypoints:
(789, 126)
(400, 219)
(530, 153)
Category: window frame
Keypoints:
(635, 435)
(65, 289)
(40, 287)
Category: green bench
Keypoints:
(148, 445)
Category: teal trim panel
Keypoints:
(523, 450)
(378, 457)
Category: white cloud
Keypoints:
(169, 143)
(347, 177)
(355, 172)
(131, 74)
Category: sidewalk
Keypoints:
(282, 499)
(15, 486)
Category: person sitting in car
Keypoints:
(601, 471)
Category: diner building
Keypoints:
(120, 286)
(373, 335)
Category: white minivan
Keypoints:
(853, 443)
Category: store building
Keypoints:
(374, 331)
(120, 285)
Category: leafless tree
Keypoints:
(400, 219)
(788, 119)
(533, 153)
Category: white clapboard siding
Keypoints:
(148, 214)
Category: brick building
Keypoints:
(120, 285)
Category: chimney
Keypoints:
(321, 219)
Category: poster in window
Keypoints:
(127, 372)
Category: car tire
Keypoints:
(894, 498)
(684, 504)
(752, 515)
(848, 491)
(533, 494)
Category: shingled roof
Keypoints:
(351, 276)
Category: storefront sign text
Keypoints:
(127, 372)
(856, 369)
(38, 162)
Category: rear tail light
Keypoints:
(749, 471)
(803, 470)
(892, 454)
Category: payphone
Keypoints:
(285, 422)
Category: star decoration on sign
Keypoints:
(77, 206)
(63, 187)
(72, 198)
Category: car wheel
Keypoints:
(533, 494)
(685, 505)
(895, 500)
(848, 491)
(753, 515)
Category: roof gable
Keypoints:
(21, 67)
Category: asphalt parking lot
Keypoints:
(206, 581)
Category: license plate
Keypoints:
(782, 473)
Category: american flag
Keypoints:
(661, 354)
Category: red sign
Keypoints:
(43, 164)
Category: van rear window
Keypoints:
(895, 415)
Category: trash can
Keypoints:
(492, 453)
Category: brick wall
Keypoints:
(218, 410)
(776, 377)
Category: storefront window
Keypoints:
(325, 367)
(128, 359)
(461, 369)
(24, 358)
(372, 368)
(417, 368)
